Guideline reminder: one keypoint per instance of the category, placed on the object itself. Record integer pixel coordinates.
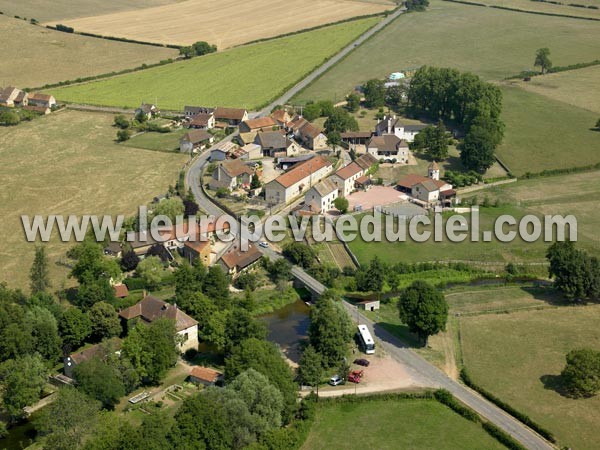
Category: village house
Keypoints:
(146, 109)
(285, 163)
(392, 125)
(202, 121)
(320, 197)
(428, 189)
(41, 100)
(101, 350)
(346, 177)
(281, 116)
(151, 308)
(272, 142)
(231, 116)
(246, 138)
(235, 260)
(9, 94)
(388, 148)
(113, 249)
(120, 290)
(354, 138)
(308, 134)
(260, 124)
(231, 174)
(205, 376)
(302, 176)
(197, 250)
(195, 140)
(191, 111)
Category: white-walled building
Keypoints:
(389, 147)
(345, 178)
(392, 125)
(321, 196)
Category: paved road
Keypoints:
(330, 63)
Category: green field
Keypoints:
(565, 8)
(519, 356)
(165, 142)
(542, 133)
(68, 163)
(400, 424)
(489, 42)
(247, 76)
(38, 56)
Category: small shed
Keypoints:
(205, 376)
(370, 305)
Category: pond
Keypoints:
(288, 325)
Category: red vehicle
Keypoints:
(355, 376)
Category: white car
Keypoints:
(263, 244)
(336, 380)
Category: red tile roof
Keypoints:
(302, 170)
(236, 258)
(230, 113)
(197, 246)
(201, 119)
(121, 290)
(261, 122)
(349, 171)
(413, 179)
(205, 374)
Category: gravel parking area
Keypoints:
(376, 196)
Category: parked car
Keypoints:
(362, 362)
(336, 380)
(263, 244)
(355, 376)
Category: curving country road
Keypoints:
(420, 369)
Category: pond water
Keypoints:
(288, 325)
(19, 436)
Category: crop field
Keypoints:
(247, 76)
(68, 163)
(409, 424)
(579, 88)
(224, 23)
(519, 357)
(542, 133)
(489, 42)
(37, 56)
(56, 11)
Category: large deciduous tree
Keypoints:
(22, 380)
(542, 59)
(100, 381)
(104, 320)
(374, 91)
(74, 327)
(581, 375)
(424, 309)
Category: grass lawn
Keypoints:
(53, 56)
(68, 163)
(165, 142)
(489, 42)
(519, 356)
(579, 88)
(494, 253)
(401, 424)
(247, 76)
(542, 133)
(565, 8)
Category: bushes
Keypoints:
(445, 397)
(568, 170)
(135, 284)
(464, 375)
(458, 179)
(63, 28)
(501, 436)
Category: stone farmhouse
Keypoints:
(429, 189)
(276, 142)
(151, 308)
(231, 174)
(299, 178)
(195, 140)
(230, 116)
(347, 177)
(308, 134)
(389, 148)
(392, 125)
(321, 196)
(259, 124)
(235, 261)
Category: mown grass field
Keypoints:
(565, 9)
(59, 10)
(494, 254)
(164, 142)
(68, 163)
(242, 77)
(542, 133)
(489, 42)
(579, 88)
(402, 424)
(519, 356)
(35, 56)
(224, 23)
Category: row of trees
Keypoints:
(447, 94)
(197, 49)
(338, 119)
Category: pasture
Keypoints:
(393, 424)
(519, 356)
(542, 133)
(224, 23)
(489, 42)
(68, 163)
(164, 142)
(34, 56)
(579, 88)
(56, 11)
(565, 8)
(247, 76)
